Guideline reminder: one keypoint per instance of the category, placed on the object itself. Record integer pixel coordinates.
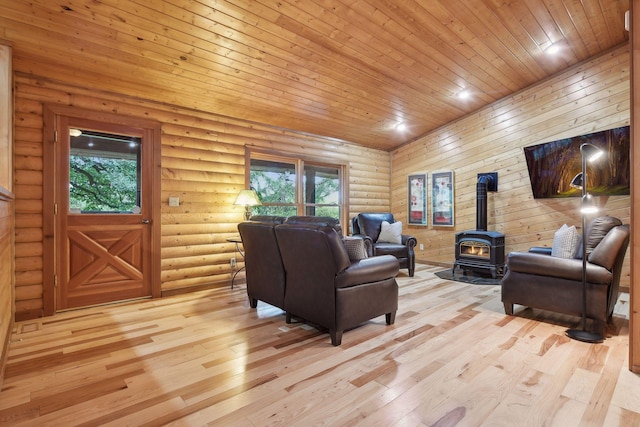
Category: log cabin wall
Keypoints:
(202, 163)
(587, 98)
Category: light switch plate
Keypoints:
(174, 201)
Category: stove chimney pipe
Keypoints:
(486, 182)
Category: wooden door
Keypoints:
(103, 212)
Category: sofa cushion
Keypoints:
(599, 228)
(391, 233)
(565, 242)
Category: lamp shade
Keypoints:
(590, 152)
(588, 205)
(247, 198)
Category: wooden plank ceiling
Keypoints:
(349, 69)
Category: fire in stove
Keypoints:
(474, 248)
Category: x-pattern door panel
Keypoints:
(105, 264)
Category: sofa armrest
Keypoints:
(544, 250)
(409, 241)
(368, 270)
(565, 268)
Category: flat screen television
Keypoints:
(554, 164)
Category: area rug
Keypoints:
(471, 277)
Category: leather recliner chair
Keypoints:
(537, 279)
(264, 270)
(368, 226)
(327, 289)
(263, 263)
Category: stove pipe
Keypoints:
(481, 202)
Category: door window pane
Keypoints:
(104, 173)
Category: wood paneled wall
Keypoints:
(202, 164)
(590, 97)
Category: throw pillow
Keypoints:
(355, 248)
(391, 233)
(565, 242)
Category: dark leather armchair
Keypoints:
(368, 226)
(327, 289)
(263, 263)
(537, 279)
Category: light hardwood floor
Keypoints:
(452, 358)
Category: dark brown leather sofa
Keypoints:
(325, 288)
(368, 226)
(537, 279)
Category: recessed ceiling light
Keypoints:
(552, 49)
(464, 94)
(401, 127)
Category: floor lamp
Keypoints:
(589, 152)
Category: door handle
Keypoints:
(145, 221)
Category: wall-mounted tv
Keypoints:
(553, 165)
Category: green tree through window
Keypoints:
(99, 184)
(276, 184)
(104, 173)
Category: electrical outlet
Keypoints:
(422, 246)
(232, 261)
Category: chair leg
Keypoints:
(508, 308)
(336, 337)
(390, 317)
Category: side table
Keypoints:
(238, 241)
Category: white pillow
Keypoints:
(565, 242)
(391, 233)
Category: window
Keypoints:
(291, 186)
(104, 173)
(322, 191)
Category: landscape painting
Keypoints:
(554, 164)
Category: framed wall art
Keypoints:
(417, 185)
(442, 199)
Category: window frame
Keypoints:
(299, 163)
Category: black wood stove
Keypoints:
(481, 250)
